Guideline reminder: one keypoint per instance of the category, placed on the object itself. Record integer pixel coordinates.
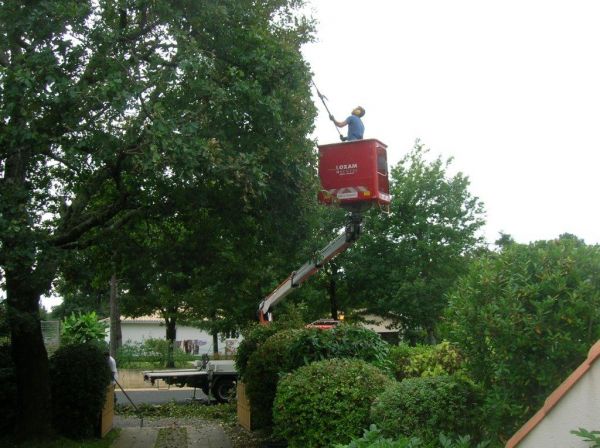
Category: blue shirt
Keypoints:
(356, 129)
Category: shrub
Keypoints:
(262, 374)
(372, 438)
(525, 318)
(425, 360)
(8, 390)
(424, 407)
(252, 338)
(289, 349)
(79, 375)
(326, 402)
(151, 351)
(82, 328)
(343, 341)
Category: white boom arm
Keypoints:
(296, 278)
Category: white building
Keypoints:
(190, 339)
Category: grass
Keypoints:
(63, 442)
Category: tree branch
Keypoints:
(53, 156)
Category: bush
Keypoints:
(425, 407)
(525, 318)
(254, 335)
(8, 390)
(79, 376)
(252, 338)
(326, 402)
(151, 351)
(287, 350)
(262, 374)
(82, 328)
(425, 360)
(372, 438)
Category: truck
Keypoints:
(216, 378)
(354, 176)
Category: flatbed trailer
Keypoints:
(217, 379)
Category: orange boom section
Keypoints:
(354, 175)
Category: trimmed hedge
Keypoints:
(326, 402)
(262, 374)
(252, 338)
(427, 406)
(287, 350)
(79, 375)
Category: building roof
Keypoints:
(140, 319)
(556, 396)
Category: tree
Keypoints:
(108, 108)
(524, 318)
(407, 259)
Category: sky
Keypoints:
(509, 89)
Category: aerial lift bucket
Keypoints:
(354, 175)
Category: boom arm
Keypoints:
(296, 278)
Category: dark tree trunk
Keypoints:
(31, 360)
(215, 337)
(171, 338)
(28, 274)
(331, 290)
(116, 337)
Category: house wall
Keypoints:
(136, 332)
(579, 408)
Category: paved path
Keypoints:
(200, 433)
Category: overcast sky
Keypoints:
(509, 89)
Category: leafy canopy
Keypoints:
(406, 260)
(524, 319)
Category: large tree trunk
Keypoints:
(28, 271)
(215, 337)
(171, 338)
(116, 337)
(30, 358)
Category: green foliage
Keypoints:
(262, 373)
(326, 402)
(82, 328)
(592, 437)
(150, 352)
(166, 142)
(8, 391)
(425, 407)
(62, 442)
(525, 318)
(406, 260)
(425, 360)
(253, 336)
(287, 350)
(372, 438)
(79, 376)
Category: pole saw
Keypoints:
(323, 98)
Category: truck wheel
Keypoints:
(224, 390)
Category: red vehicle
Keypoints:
(354, 175)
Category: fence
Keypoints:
(51, 334)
